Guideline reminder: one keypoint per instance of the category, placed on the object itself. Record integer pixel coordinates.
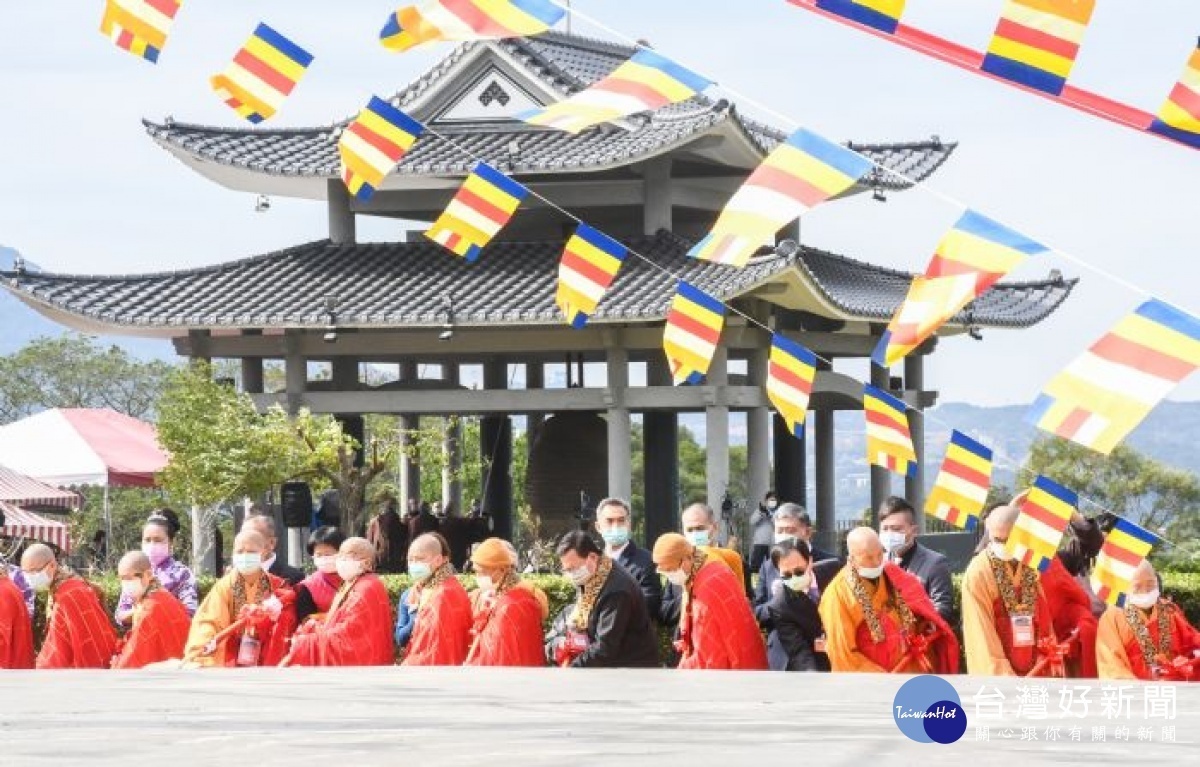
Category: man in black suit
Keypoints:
(614, 523)
(898, 534)
(791, 524)
(264, 525)
(797, 638)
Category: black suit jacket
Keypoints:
(620, 631)
(933, 571)
(796, 625)
(638, 563)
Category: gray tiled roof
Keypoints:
(567, 63)
(396, 284)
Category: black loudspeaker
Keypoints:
(296, 504)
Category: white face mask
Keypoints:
(133, 588)
(870, 573)
(326, 564)
(248, 563)
(348, 569)
(38, 581)
(1144, 601)
(782, 537)
(676, 577)
(892, 541)
(485, 583)
(799, 583)
(771, 504)
(999, 551)
(579, 575)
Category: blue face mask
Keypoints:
(616, 536)
(419, 571)
(698, 538)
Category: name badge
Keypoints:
(1022, 630)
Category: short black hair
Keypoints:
(328, 535)
(894, 504)
(166, 519)
(781, 550)
(580, 542)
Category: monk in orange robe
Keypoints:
(507, 630)
(1006, 617)
(16, 631)
(357, 631)
(79, 633)
(717, 628)
(1149, 638)
(442, 635)
(878, 618)
(160, 621)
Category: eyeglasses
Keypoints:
(785, 574)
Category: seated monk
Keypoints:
(1007, 623)
(507, 630)
(248, 615)
(16, 630)
(878, 618)
(160, 621)
(1149, 638)
(357, 631)
(79, 633)
(717, 628)
(442, 635)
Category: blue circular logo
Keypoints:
(927, 709)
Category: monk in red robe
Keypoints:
(508, 623)
(160, 621)
(717, 629)
(1071, 608)
(1148, 638)
(442, 635)
(79, 633)
(878, 618)
(357, 631)
(16, 632)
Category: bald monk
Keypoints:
(1149, 638)
(160, 621)
(16, 630)
(1005, 611)
(357, 631)
(79, 633)
(700, 528)
(507, 630)
(442, 635)
(878, 618)
(248, 615)
(717, 628)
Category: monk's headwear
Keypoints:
(670, 551)
(494, 555)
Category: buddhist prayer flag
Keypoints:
(482, 207)
(791, 371)
(1105, 393)
(1039, 528)
(438, 20)
(372, 145)
(590, 262)
(961, 489)
(930, 303)
(889, 441)
(262, 74)
(796, 176)
(883, 15)
(1125, 546)
(139, 26)
(694, 326)
(646, 82)
(1036, 42)
(1179, 117)
(979, 246)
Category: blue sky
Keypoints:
(85, 189)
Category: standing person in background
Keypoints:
(265, 525)
(422, 522)
(388, 533)
(898, 534)
(173, 576)
(762, 531)
(314, 594)
(614, 522)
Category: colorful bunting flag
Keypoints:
(930, 303)
(1039, 528)
(791, 371)
(1036, 42)
(694, 326)
(262, 74)
(1179, 117)
(883, 15)
(372, 145)
(483, 205)
(646, 82)
(982, 247)
(961, 489)
(889, 441)
(1105, 393)
(589, 265)
(796, 176)
(139, 26)
(1125, 546)
(439, 20)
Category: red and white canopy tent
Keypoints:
(19, 494)
(21, 523)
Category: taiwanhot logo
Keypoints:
(928, 710)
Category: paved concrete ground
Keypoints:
(396, 716)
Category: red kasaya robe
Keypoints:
(160, 630)
(717, 629)
(357, 631)
(79, 633)
(508, 631)
(16, 632)
(442, 636)
(1071, 607)
(1120, 656)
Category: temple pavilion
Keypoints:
(655, 180)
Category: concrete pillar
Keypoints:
(823, 436)
(660, 460)
(620, 425)
(199, 341)
(791, 462)
(716, 418)
(452, 440)
(758, 434)
(495, 444)
(914, 487)
(656, 186)
(881, 479)
(290, 547)
(341, 218)
(252, 369)
(535, 378)
(410, 462)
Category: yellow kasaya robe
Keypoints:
(731, 558)
(216, 613)
(987, 626)
(1118, 653)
